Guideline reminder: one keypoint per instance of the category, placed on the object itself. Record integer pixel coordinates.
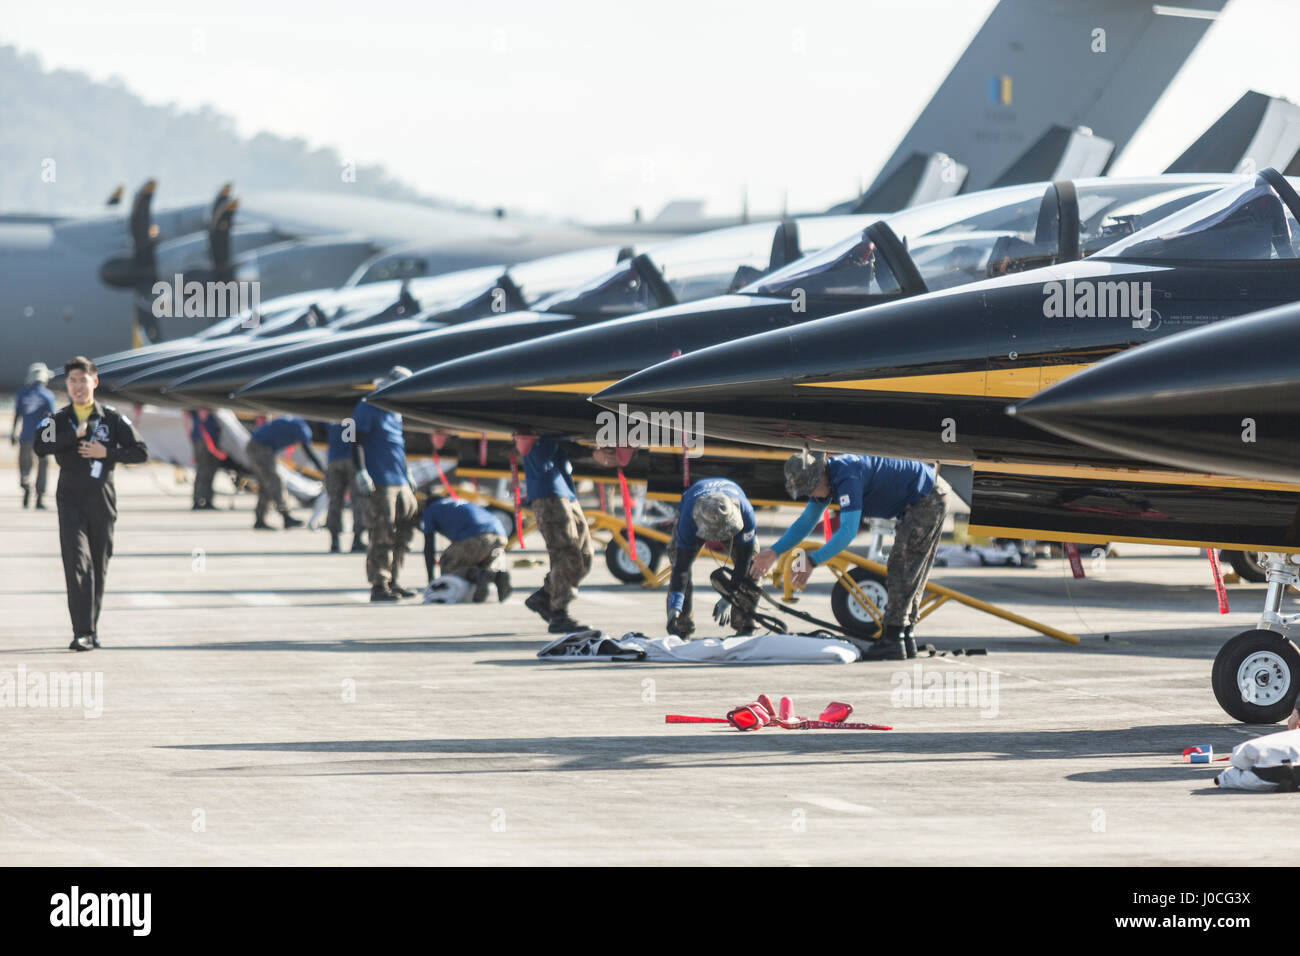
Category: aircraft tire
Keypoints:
(1256, 677)
(1246, 564)
(850, 614)
(616, 559)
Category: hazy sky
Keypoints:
(588, 109)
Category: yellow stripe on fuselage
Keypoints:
(569, 388)
(999, 383)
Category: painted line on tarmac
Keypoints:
(832, 803)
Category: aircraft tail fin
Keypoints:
(1256, 132)
(1101, 64)
(1060, 153)
(922, 177)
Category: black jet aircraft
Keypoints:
(929, 377)
(207, 377)
(1221, 399)
(679, 271)
(542, 385)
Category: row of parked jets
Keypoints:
(1091, 358)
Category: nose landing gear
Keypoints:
(1256, 675)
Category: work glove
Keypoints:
(363, 484)
(722, 611)
(680, 625)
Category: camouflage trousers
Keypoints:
(480, 551)
(916, 539)
(338, 486)
(563, 527)
(29, 462)
(270, 489)
(391, 517)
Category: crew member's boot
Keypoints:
(290, 521)
(400, 591)
(503, 585)
(482, 580)
(40, 503)
(888, 647)
(909, 641)
(27, 497)
(380, 593)
(358, 543)
(562, 623)
(335, 548)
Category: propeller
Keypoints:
(138, 271)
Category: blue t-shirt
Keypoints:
(380, 435)
(547, 472)
(282, 432)
(338, 448)
(456, 519)
(207, 423)
(688, 534)
(878, 487)
(33, 403)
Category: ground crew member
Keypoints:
(554, 500)
(866, 485)
(33, 404)
(340, 473)
(87, 439)
(712, 509)
(205, 438)
(477, 545)
(379, 454)
(264, 445)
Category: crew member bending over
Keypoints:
(712, 509)
(866, 485)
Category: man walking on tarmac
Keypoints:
(32, 405)
(866, 485)
(563, 526)
(87, 439)
(379, 452)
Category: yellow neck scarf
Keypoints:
(82, 411)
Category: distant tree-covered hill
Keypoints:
(67, 140)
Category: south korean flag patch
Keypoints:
(844, 501)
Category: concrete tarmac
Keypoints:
(255, 709)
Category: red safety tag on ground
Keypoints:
(627, 513)
(1220, 591)
(1072, 552)
(514, 483)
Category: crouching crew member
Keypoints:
(713, 509)
(264, 445)
(205, 438)
(340, 473)
(33, 404)
(563, 526)
(379, 453)
(87, 439)
(477, 545)
(866, 485)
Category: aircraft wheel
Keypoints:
(1256, 677)
(616, 559)
(849, 612)
(1247, 564)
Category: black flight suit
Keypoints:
(87, 501)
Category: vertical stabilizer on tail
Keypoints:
(1035, 64)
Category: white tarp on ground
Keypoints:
(166, 432)
(1262, 763)
(756, 649)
